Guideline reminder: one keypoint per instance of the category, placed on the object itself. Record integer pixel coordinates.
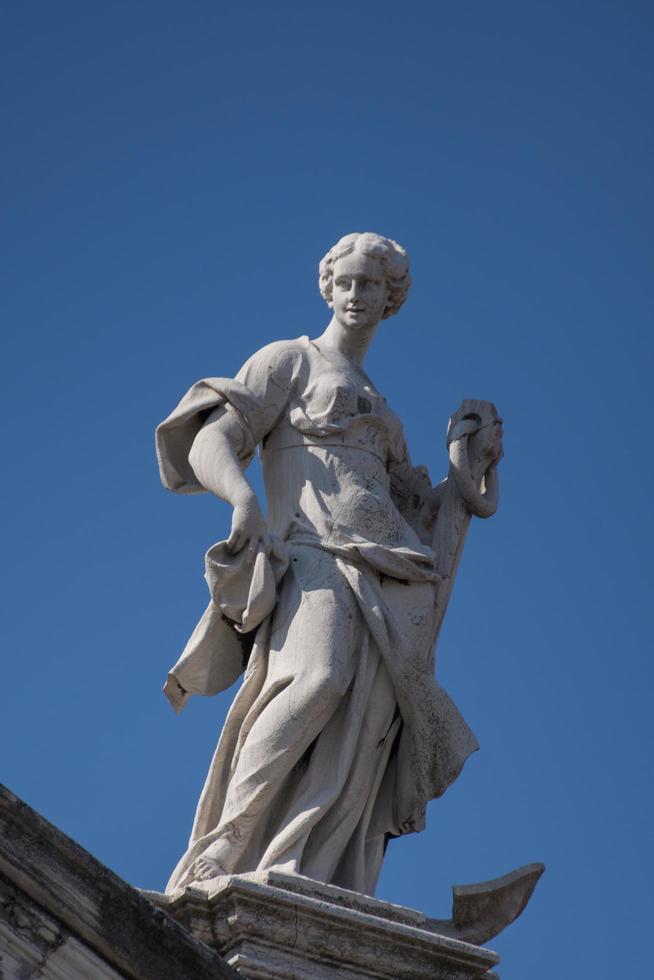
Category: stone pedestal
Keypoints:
(271, 924)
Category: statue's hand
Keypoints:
(248, 526)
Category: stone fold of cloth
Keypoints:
(243, 591)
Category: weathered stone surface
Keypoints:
(340, 734)
(64, 916)
(331, 605)
(269, 924)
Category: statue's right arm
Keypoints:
(215, 462)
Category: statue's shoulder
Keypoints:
(281, 358)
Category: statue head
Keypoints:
(392, 258)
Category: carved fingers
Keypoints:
(248, 527)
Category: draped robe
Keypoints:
(339, 734)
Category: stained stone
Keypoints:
(330, 606)
(65, 916)
(287, 927)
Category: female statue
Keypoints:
(339, 734)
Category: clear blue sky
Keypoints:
(171, 174)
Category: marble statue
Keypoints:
(331, 604)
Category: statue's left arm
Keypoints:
(413, 494)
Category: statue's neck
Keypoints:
(350, 343)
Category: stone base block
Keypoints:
(271, 924)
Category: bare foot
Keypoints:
(206, 868)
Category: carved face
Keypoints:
(360, 291)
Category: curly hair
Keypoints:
(394, 262)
